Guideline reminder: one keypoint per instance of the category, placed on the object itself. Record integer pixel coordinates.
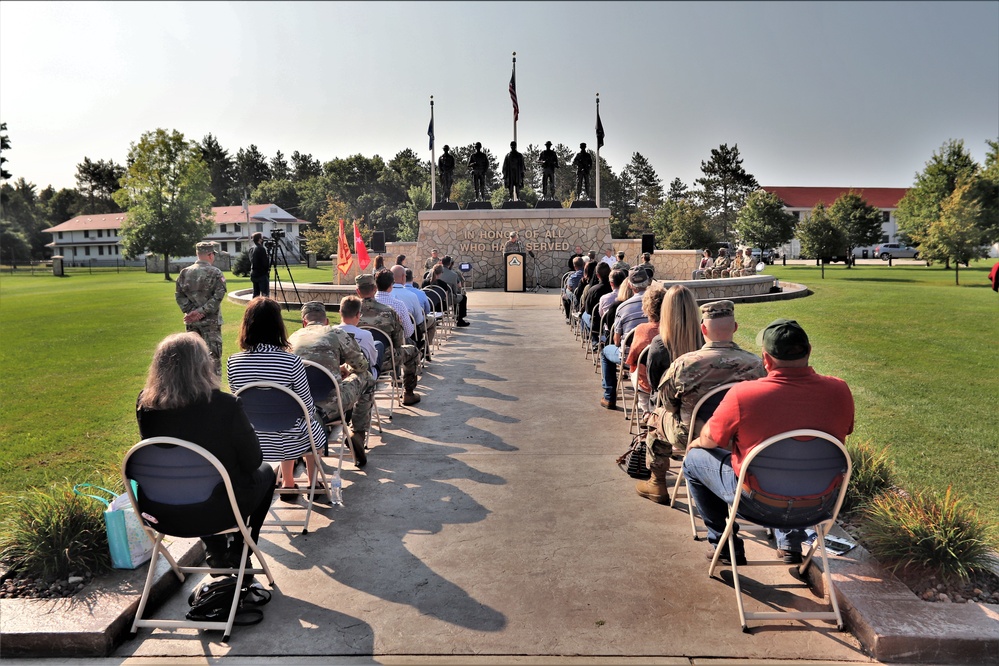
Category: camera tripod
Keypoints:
(537, 274)
(273, 250)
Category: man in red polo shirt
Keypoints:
(791, 396)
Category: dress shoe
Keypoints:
(462, 322)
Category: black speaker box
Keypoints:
(648, 243)
(378, 242)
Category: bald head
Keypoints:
(399, 274)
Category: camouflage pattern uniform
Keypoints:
(721, 267)
(201, 287)
(621, 265)
(332, 347)
(695, 373)
(384, 318)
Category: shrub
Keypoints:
(241, 265)
(872, 475)
(52, 533)
(924, 532)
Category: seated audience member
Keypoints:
(592, 255)
(386, 319)
(735, 267)
(425, 327)
(428, 308)
(703, 269)
(600, 286)
(628, 315)
(619, 284)
(647, 265)
(378, 265)
(385, 284)
(720, 268)
(570, 286)
(456, 284)
(690, 376)
(748, 264)
(679, 333)
(652, 302)
(350, 317)
(621, 264)
(791, 396)
(400, 260)
(338, 352)
(182, 399)
(589, 270)
(265, 358)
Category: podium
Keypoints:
(515, 263)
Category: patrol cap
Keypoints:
(717, 309)
(204, 247)
(638, 277)
(784, 339)
(313, 306)
(365, 280)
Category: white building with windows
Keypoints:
(94, 239)
(799, 201)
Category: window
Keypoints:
(239, 247)
(100, 250)
(260, 227)
(86, 250)
(86, 233)
(222, 228)
(60, 235)
(885, 238)
(100, 233)
(290, 228)
(74, 251)
(225, 247)
(885, 216)
(117, 250)
(236, 228)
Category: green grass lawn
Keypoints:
(921, 355)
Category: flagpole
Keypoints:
(515, 79)
(433, 158)
(598, 154)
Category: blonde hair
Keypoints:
(182, 372)
(680, 322)
(625, 291)
(652, 301)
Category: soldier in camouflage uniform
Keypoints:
(689, 377)
(383, 317)
(200, 290)
(338, 352)
(722, 264)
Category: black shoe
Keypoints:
(725, 558)
(357, 448)
(790, 556)
(462, 322)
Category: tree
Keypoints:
(281, 193)
(167, 193)
(222, 171)
(762, 222)
(279, 167)
(859, 221)
(920, 207)
(725, 186)
(819, 236)
(251, 169)
(987, 193)
(324, 239)
(956, 234)
(642, 184)
(304, 167)
(4, 174)
(14, 247)
(677, 191)
(680, 225)
(98, 181)
(409, 226)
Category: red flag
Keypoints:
(362, 252)
(344, 260)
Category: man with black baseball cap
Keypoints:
(791, 396)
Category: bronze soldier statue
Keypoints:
(583, 163)
(549, 162)
(479, 164)
(445, 166)
(513, 171)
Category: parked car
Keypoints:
(895, 251)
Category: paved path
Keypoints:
(492, 521)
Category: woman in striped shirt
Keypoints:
(264, 341)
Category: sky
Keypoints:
(840, 94)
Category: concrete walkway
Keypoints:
(492, 524)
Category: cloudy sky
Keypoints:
(820, 93)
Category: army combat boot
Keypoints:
(410, 397)
(655, 488)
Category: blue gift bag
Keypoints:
(129, 543)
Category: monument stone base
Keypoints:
(583, 203)
(514, 205)
(479, 205)
(446, 205)
(548, 203)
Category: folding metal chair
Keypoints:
(636, 416)
(392, 376)
(322, 383)
(625, 347)
(700, 415)
(793, 480)
(438, 301)
(178, 473)
(275, 408)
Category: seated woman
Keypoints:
(652, 302)
(703, 269)
(182, 399)
(265, 358)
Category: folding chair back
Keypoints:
(274, 408)
(793, 480)
(323, 385)
(393, 374)
(177, 481)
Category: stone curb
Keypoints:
(92, 624)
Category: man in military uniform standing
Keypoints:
(513, 171)
(583, 163)
(621, 264)
(445, 165)
(689, 377)
(338, 352)
(549, 162)
(479, 164)
(199, 293)
(385, 319)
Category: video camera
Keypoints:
(275, 235)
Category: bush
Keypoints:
(53, 533)
(872, 475)
(241, 265)
(927, 533)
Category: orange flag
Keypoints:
(344, 260)
(362, 252)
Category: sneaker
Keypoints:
(608, 404)
(790, 556)
(725, 558)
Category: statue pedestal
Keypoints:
(445, 205)
(479, 205)
(548, 203)
(584, 203)
(514, 204)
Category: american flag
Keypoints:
(513, 94)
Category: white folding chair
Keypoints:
(700, 415)
(793, 480)
(322, 384)
(624, 348)
(271, 407)
(177, 473)
(636, 415)
(391, 376)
